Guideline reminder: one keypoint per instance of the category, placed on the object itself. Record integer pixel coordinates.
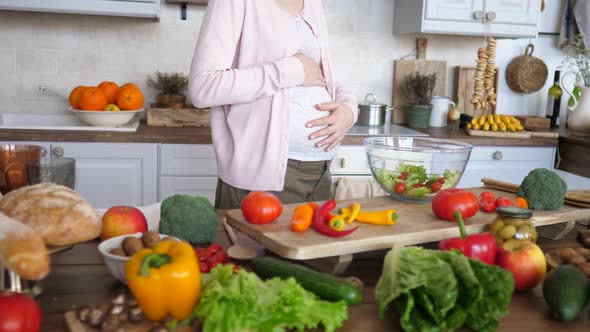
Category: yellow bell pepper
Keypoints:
(382, 217)
(165, 280)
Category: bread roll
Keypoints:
(22, 250)
(59, 214)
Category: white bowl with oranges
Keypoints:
(106, 105)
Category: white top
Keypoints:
(303, 101)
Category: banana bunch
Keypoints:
(496, 122)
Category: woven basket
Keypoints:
(526, 73)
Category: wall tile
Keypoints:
(37, 61)
(56, 35)
(7, 62)
(16, 35)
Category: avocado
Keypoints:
(567, 291)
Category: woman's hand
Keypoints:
(313, 72)
(338, 122)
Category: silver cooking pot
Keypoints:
(372, 113)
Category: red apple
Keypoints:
(525, 260)
(122, 220)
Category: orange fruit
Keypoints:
(74, 96)
(129, 84)
(129, 98)
(110, 90)
(92, 99)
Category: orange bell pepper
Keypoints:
(302, 218)
(521, 203)
(165, 280)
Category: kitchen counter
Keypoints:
(202, 135)
(78, 277)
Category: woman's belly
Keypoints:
(303, 101)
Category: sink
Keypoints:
(56, 122)
(385, 130)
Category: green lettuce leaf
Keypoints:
(451, 178)
(498, 286)
(242, 301)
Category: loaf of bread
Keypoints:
(59, 214)
(22, 250)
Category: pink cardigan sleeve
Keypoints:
(214, 80)
(346, 97)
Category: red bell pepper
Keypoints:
(321, 225)
(487, 201)
(477, 246)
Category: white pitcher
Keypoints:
(578, 120)
(440, 109)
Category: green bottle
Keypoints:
(554, 101)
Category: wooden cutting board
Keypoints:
(402, 68)
(579, 198)
(518, 135)
(416, 224)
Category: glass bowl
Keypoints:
(414, 169)
(106, 118)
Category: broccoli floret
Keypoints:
(189, 218)
(543, 190)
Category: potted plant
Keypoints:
(418, 89)
(172, 87)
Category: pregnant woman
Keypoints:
(277, 114)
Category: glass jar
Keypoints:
(513, 224)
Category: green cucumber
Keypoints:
(325, 286)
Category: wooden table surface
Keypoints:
(78, 277)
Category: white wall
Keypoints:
(63, 51)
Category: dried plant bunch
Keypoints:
(168, 83)
(579, 56)
(418, 88)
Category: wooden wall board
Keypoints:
(178, 117)
(416, 224)
(405, 67)
(463, 91)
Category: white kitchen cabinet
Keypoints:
(509, 164)
(189, 169)
(501, 18)
(110, 174)
(129, 8)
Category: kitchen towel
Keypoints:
(354, 189)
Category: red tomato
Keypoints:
(447, 201)
(400, 187)
(214, 248)
(441, 180)
(487, 201)
(503, 201)
(204, 255)
(260, 207)
(212, 262)
(403, 176)
(19, 313)
(435, 187)
(221, 256)
(204, 267)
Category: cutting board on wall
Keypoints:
(464, 85)
(405, 67)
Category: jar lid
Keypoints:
(514, 212)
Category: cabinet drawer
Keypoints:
(502, 153)
(187, 160)
(509, 164)
(187, 185)
(351, 160)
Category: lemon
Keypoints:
(112, 108)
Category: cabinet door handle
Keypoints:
(43, 152)
(490, 16)
(478, 15)
(497, 155)
(57, 151)
(342, 162)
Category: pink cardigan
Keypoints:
(243, 68)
